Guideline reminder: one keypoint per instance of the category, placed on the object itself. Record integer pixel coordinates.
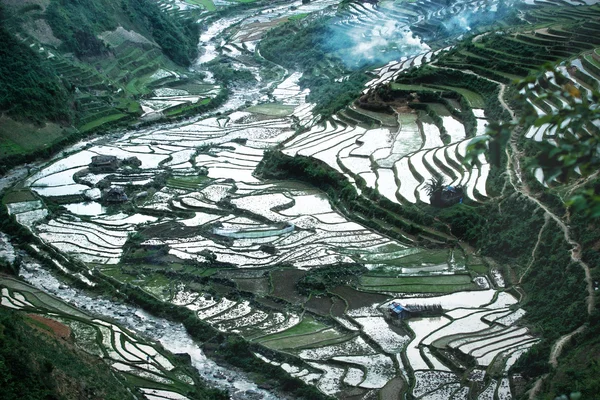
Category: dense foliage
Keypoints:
(34, 365)
(299, 45)
(177, 37)
(29, 87)
(224, 72)
(77, 23)
(319, 280)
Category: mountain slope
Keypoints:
(70, 67)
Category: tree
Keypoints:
(434, 189)
(572, 153)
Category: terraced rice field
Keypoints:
(144, 365)
(397, 163)
(200, 230)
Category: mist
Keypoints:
(376, 43)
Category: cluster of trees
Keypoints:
(29, 87)
(78, 22)
(35, 366)
(299, 45)
(319, 280)
(226, 74)
(178, 37)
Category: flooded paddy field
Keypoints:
(178, 211)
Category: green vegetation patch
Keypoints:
(207, 4)
(424, 258)
(298, 17)
(308, 325)
(101, 121)
(272, 109)
(475, 100)
(18, 196)
(30, 88)
(77, 24)
(34, 365)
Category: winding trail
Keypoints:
(523, 188)
(539, 239)
(560, 343)
(514, 172)
(515, 177)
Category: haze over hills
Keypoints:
(309, 199)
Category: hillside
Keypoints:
(370, 199)
(36, 363)
(69, 68)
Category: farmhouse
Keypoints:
(404, 311)
(398, 310)
(452, 195)
(115, 195)
(104, 163)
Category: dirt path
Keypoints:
(537, 387)
(560, 343)
(539, 239)
(513, 170)
(514, 173)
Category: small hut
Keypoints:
(115, 195)
(399, 310)
(104, 163)
(404, 311)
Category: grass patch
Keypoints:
(424, 257)
(298, 17)
(272, 109)
(401, 86)
(475, 100)
(101, 121)
(18, 196)
(439, 109)
(188, 183)
(306, 326)
(21, 138)
(207, 4)
(183, 109)
(479, 268)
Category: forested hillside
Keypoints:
(70, 67)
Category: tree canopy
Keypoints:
(570, 152)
